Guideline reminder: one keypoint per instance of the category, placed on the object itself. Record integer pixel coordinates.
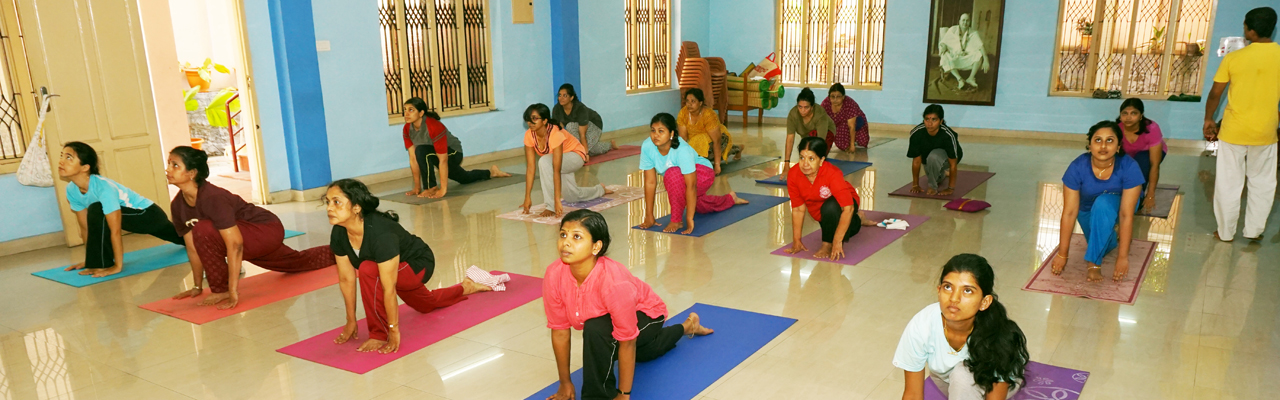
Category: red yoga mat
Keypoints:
(965, 183)
(417, 330)
(1072, 281)
(623, 151)
(255, 291)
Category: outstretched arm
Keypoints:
(1210, 108)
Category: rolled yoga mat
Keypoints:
(848, 167)
(868, 240)
(732, 165)
(622, 151)
(455, 190)
(707, 223)
(696, 362)
(255, 291)
(965, 183)
(417, 330)
(135, 262)
(1043, 381)
(621, 195)
(1072, 281)
(1164, 202)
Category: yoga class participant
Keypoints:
(848, 117)
(389, 262)
(222, 231)
(971, 347)
(819, 188)
(1101, 190)
(806, 119)
(558, 155)
(686, 176)
(1144, 142)
(433, 148)
(935, 146)
(619, 315)
(580, 120)
(702, 130)
(104, 208)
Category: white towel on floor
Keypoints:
(894, 223)
(496, 282)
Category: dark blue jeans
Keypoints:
(1144, 162)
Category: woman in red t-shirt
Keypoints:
(819, 188)
(433, 148)
(222, 231)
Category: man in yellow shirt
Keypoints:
(1247, 138)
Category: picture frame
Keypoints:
(963, 58)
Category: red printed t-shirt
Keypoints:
(218, 206)
(609, 289)
(433, 132)
(557, 138)
(829, 182)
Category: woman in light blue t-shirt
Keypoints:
(1100, 191)
(105, 208)
(971, 348)
(686, 176)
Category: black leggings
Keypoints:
(831, 211)
(152, 221)
(428, 160)
(600, 350)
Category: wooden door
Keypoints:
(91, 53)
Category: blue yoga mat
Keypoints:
(135, 262)
(707, 223)
(848, 167)
(698, 362)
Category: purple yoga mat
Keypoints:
(1043, 381)
(868, 240)
(586, 204)
(965, 183)
(417, 330)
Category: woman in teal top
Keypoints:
(104, 208)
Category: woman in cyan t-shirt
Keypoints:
(972, 349)
(686, 176)
(1144, 142)
(1100, 191)
(104, 209)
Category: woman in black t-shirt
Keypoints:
(389, 261)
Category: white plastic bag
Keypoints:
(34, 169)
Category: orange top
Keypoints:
(557, 138)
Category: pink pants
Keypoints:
(409, 286)
(263, 246)
(706, 176)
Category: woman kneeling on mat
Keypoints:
(619, 315)
(1143, 142)
(1101, 188)
(433, 148)
(389, 261)
(701, 128)
(820, 188)
(806, 119)
(104, 208)
(851, 122)
(972, 349)
(222, 231)
(558, 155)
(580, 120)
(686, 176)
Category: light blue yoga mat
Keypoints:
(135, 262)
(848, 167)
(707, 223)
(696, 363)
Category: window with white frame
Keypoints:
(438, 50)
(825, 41)
(648, 37)
(1142, 48)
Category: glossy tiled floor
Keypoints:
(1206, 325)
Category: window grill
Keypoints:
(825, 41)
(648, 44)
(437, 50)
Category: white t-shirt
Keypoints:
(924, 342)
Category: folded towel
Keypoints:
(894, 223)
(496, 282)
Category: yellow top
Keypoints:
(1251, 116)
(699, 128)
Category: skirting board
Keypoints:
(32, 243)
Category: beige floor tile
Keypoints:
(478, 376)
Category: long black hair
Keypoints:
(568, 89)
(418, 103)
(86, 155)
(670, 122)
(193, 159)
(543, 112)
(1114, 127)
(358, 194)
(806, 94)
(997, 347)
(1136, 103)
(815, 144)
(595, 224)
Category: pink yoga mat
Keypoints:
(255, 291)
(868, 240)
(417, 330)
(965, 183)
(1072, 281)
(623, 151)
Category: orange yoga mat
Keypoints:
(255, 291)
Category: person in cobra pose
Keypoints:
(435, 155)
(580, 120)
(1100, 191)
(686, 176)
(701, 128)
(557, 155)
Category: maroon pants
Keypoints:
(410, 288)
(263, 246)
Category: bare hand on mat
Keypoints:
(915, 188)
(525, 207)
(648, 222)
(1059, 263)
(349, 332)
(796, 247)
(188, 293)
(74, 267)
(1122, 268)
(565, 392)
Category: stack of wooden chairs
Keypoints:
(707, 74)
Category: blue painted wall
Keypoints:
(301, 93)
(261, 49)
(37, 215)
(742, 32)
(565, 51)
(603, 68)
(695, 22)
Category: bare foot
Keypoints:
(101, 272)
(606, 189)
(693, 327)
(736, 199)
(547, 214)
(972, 82)
(494, 172)
(371, 345)
(215, 298)
(613, 145)
(931, 192)
(824, 251)
(1095, 273)
(471, 287)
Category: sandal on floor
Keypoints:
(1215, 236)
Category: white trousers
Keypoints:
(1238, 164)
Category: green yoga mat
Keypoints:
(746, 161)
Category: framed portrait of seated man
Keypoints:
(963, 60)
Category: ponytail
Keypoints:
(359, 195)
(669, 122)
(997, 347)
